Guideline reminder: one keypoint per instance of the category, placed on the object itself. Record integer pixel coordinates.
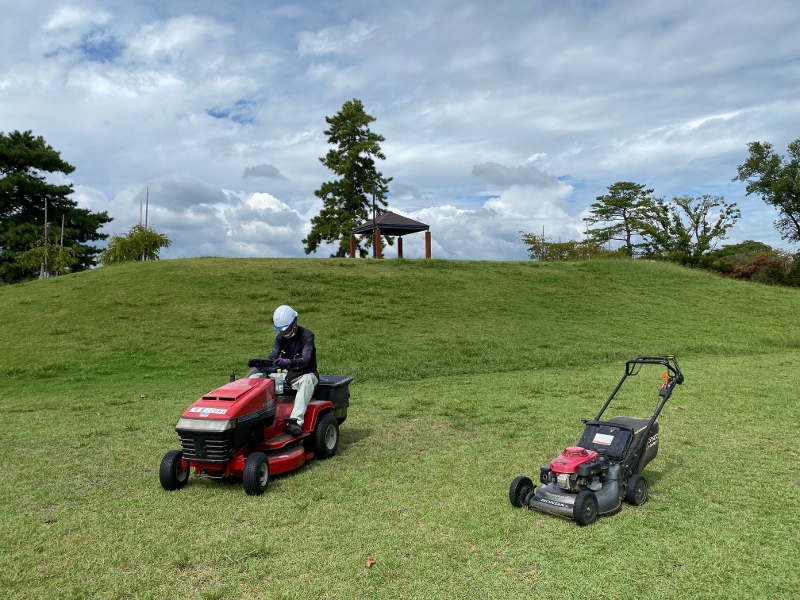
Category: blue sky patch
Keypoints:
(239, 113)
(99, 47)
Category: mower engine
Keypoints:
(576, 469)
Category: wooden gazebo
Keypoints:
(390, 223)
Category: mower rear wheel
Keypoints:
(173, 473)
(520, 489)
(585, 508)
(636, 491)
(255, 476)
(325, 437)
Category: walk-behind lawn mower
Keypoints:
(605, 467)
(237, 430)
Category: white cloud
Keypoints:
(268, 171)
(506, 176)
(332, 40)
(496, 119)
(75, 17)
(493, 230)
(175, 39)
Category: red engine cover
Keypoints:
(571, 459)
(236, 399)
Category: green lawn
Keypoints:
(467, 374)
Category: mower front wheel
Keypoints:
(520, 489)
(255, 476)
(585, 508)
(636, 491)
(173, 473)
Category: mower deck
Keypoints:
(288, 458)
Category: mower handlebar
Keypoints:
(670, 362)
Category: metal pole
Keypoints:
(374, 225)
(45, 237)
(146, 210)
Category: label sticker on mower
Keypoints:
(603, 439)
(206, 409)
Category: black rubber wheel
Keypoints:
(255, 476)
(325, 437)
(520, 489)
(636, 491)
(585, 508)
(173, 473)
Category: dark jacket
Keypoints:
(299, 349)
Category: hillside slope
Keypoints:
(382, 320)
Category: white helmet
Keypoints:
(284, 318)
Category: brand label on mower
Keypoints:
(552, 502)
(652, 441)
(206, 409)
(603, 439)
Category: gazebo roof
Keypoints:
(391, 224)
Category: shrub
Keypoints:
(141, 243)
(542, 249)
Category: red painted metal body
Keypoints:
(571, 459)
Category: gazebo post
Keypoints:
(400, 247)
(378, 243)
(352, 246)
(427, 244)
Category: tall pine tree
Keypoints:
(621, 210)
(347, 201)
(25, 195)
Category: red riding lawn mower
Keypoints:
(237, 430)
(605, 467)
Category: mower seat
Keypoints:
(334, 388)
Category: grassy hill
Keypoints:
(466, 375)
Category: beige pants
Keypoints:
(304, 386)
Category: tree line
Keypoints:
(629, 221)
(43, 232)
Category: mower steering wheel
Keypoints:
(262, 364)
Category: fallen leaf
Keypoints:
(143, 396)
(98, 414)
(370, 562)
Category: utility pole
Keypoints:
(146, 211)
(43, 271)
(375, 241)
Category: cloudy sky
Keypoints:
(499, 117)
